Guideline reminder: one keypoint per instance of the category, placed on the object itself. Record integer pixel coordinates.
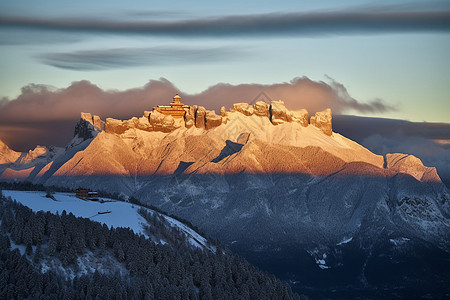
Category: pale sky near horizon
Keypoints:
(401, 56)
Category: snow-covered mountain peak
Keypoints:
(261, 138)
(409, 164)
(7, 155)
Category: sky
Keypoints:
(384, 59)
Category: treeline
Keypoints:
(154, 271)
(29, 186)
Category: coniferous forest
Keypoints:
(40, 255)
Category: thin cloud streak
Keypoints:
(275, 24)
(132, 57)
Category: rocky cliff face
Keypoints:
(88, 126)
(202, 118)
(322, 120)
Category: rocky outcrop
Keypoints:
(261, 109)
(223, 111)
(212, 120)
(88, 126)
(99, 125)
(114, 126)
(322, 120)
(161, 122)
(299, 116)
(243, 108)
(144, 123)
(189, 117)
(94, 120)
(200, 114)
(278, 112)
(35, 153)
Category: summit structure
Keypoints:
(176, 109)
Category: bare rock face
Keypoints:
(322, 120)
(188, 120)
(278, 112)
(115, 126)
(99, 125)
(261, 109)
(223, 111)
(87, 117)
(85, 129)
(192, 110)
(161, 122)
(212, 120)
(144, 124)
(300, 116)
(200, 115)
(189, 116)
(244, 108)
(131, 123)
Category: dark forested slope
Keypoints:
(62, 256)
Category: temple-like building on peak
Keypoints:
(176, 109)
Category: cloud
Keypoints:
(40, 106)
(299, 93)
(359, 128)
(132, 57)
(363, 20)
(342, 95)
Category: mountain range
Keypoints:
(277, 186)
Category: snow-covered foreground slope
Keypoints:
(119, 214)
(122, 214)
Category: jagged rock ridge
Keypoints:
(199, 117)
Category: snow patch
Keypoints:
(345, 241)
(399, 241)
(319, 258)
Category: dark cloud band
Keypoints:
(129, 57)
(311, 24)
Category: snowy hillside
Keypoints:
(113, 213)
(60, 256)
